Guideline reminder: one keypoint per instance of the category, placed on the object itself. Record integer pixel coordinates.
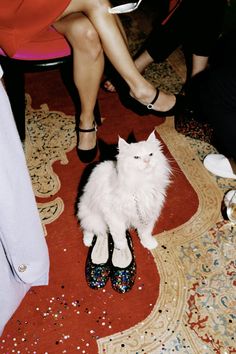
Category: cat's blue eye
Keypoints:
(136, 157)
(151, 154)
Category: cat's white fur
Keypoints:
(127, 193)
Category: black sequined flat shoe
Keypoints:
(123, 267)
(97, 267)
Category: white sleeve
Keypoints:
(1, 72)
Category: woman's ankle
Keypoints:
(86, 121)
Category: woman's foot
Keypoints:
(87, 137)
(108, 86)
(162, 102)
(87, 142)
(158, 102)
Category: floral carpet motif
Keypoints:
(202, 149)
(195, 312)
(210, 269)
(49, 136)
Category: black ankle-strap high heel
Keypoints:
(171, 112)
(87, 156)
(147, 109)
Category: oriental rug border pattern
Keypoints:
(49, 136)
(195, 309)
(188, 316)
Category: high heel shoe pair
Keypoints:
(105, 262)
(88, 156)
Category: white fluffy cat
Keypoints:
(127, 193)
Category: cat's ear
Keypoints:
(122, 144)
(152, 137)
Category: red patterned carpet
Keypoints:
(162, 313)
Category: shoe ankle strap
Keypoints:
(88, 130)
(150, 105)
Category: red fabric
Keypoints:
(25, 31)
(22, 20)
(173, 4)
(49, 44)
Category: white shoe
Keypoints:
(219, 165)
(230, 196)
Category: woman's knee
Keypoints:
(85, 6)
(81, 34)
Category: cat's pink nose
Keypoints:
(147, 160)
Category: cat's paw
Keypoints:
(88, 239)
(121, 244)
(149, 242)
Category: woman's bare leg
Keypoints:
(116, 50)
(88, 61)
(199, 63)
(143, 60)
(121, 28)
(107, 84)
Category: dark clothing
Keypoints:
(213, 95)
(195, 24)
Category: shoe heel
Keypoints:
(87, 156)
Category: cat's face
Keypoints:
(143, 155)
